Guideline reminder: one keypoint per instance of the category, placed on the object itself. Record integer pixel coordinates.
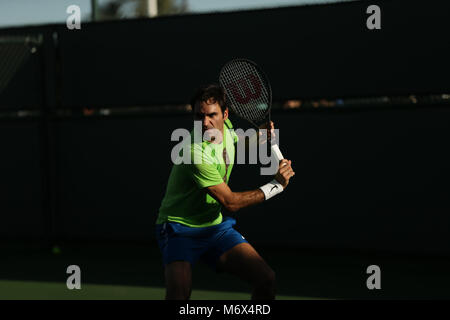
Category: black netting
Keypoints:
(14, 53)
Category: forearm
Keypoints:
(244, 199)
(233, 201)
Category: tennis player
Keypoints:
(190, 226)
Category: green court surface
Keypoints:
(31, 290)
(134, 271)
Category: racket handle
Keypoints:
(276, 152)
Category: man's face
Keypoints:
(211, 115)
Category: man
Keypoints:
(190, 225)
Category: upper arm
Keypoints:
(205, 173)
(222, 193)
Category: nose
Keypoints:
(205, 122)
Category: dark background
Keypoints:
(307, 52)
(367, 178)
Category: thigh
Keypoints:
(174, 246)
(245, 262)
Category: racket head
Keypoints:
(248, 90)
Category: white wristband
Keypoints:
(271, 189)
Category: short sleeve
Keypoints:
(204, 174)
(235, 136)
(231, 130)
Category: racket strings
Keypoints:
(263, 100)
(252, 109)
(242, 79)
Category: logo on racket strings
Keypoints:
(245, 89)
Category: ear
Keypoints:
(225, 114)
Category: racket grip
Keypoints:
(276, 152)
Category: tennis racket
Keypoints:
(249, 95)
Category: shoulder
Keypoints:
(201, 153)
(230, 128)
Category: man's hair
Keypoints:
(211, 93)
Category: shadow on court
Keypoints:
(300, 273)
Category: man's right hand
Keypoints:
(285, 172)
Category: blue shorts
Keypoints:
(178, 242)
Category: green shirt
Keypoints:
(186, 200)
